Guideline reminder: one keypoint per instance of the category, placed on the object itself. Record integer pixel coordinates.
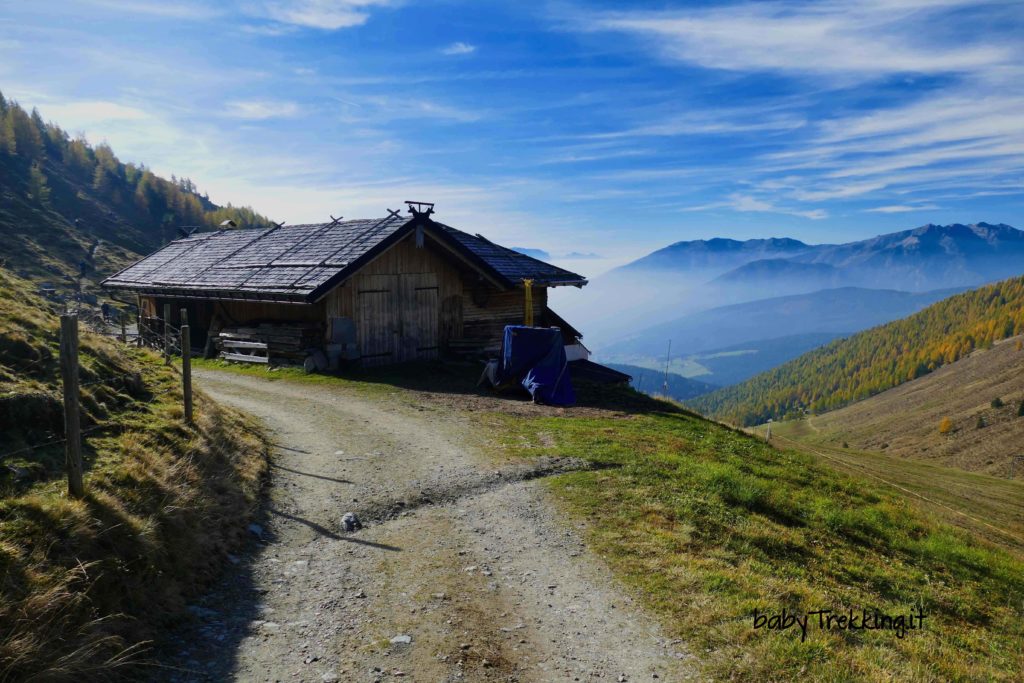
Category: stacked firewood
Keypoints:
(278, 343)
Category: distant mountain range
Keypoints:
(535, 253)
(719, 254)
(924, 258)
(707, 295)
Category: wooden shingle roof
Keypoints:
(301, 263)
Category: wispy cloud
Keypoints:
(272, 29)
(258, 110)
(90, 113)
(718, 123)
(166, 10)
(865, 38)
(328, 15)
(902, 208)
(379, 109)
(459, 48)
(746, 203)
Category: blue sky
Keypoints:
(606, 128)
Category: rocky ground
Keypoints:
(464, 570)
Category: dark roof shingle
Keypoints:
(302, 262)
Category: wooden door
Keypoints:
(377, 322)
(419, 316)
(397, 317)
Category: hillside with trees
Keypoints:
(968, 415)
(72, 210)
(875, 360)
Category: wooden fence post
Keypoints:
(167, 333)
(124, 330)
(184, 316)
(72, 427)
(186, 371)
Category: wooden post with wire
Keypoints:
(186, 371)
(138, 321)
(72, 426)
(167, 333)
(124, 327)
(184, 316)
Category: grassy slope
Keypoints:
(707, 524)
(83, 583)
(904, 421)
(872, 361)
(990, 507)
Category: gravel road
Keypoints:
(464, 570)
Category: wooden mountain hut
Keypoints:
(379, 291)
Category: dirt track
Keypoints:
(463, 556)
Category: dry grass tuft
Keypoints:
(85, 583)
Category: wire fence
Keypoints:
(134, 377)
(163, 336)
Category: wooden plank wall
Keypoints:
(501, 308)
(241, 312)
(202, 311)
(406, 259)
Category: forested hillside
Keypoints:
(874, 360)
(69, 209)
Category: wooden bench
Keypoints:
(243, 351)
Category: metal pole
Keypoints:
(186, 371)
(668, 358)
(72, 426)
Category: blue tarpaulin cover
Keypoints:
(535, 357)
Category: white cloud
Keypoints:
(259, 110)
(270, 29)
(459, 48)
(862, 38)
(902, 208)
(745, 203)
(89, 113)
(717, 123)
(379, 109)
(166, 10)
(328, 15)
